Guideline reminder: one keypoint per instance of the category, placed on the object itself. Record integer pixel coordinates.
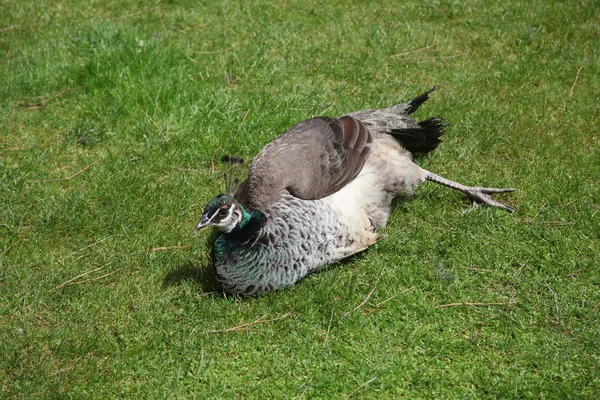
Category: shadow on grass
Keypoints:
(203, 275)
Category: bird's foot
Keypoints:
(479, 195)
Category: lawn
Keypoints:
(112, 114)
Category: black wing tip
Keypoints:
(415, 103)
(423, 139)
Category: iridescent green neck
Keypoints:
(250, 221)
(239, 239)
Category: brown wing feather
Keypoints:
(311, 160)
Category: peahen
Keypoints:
(319, 192)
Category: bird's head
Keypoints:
(224, 212)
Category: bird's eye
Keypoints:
(223, 212)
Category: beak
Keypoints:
(204, 222)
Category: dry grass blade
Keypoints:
(328, 328)
(394, 296)
(162, 23)
(94, 279)
(413, 51)
(440, 57)
(192, 60)
(7, 249)
(169, 248)
(43, 103)
(360, 305)
(247, 325)
(327, 109)
(89, 245)
(243, 119)
(575, 81)
(555, 302)
(68, 177)
(77, 277)
(193, 28)
(476, 304)
(217, 51)
(186, 169)
(133, 14)
(14, 148)
(212, 163)
(157, 127)
(360, 387)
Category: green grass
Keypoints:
(158, 89)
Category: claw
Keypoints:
(481, 196)
(477, 195)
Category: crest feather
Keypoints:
(232, 182)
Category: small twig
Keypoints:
(193, 27)
(8, 28)
(217, 51)
(89, 245)
(459, 332)
(163, 25)
(246, 326)
(7, 249)
(204, 294)
(413, 51)
(437, 57)
(65, 369)
(243, 119)
(554, 223)
(169, 248)
(303, 393)
(443, 15)
(327, 109)
(94, 279)
(77, 277)
(328, 328)
(394, 296)
(186, 169)
(192, 60)
(68, 177)
(360, 387)
(54, 96)
(476, 304)
(31, 106)
(157, 127)
(360, 305)
(212, 163)
(132, 14)
(544, 203)
(477, 269)
(575, 81)
(15, 148)
(555, 301)
(41, 104)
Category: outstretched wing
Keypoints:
(311, 160)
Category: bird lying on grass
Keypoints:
(319, 192)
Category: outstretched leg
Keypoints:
(478, 195)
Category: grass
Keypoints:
(110, 114)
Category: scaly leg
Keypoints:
(478, 195)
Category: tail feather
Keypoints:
(417, 101)
(423, 139)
